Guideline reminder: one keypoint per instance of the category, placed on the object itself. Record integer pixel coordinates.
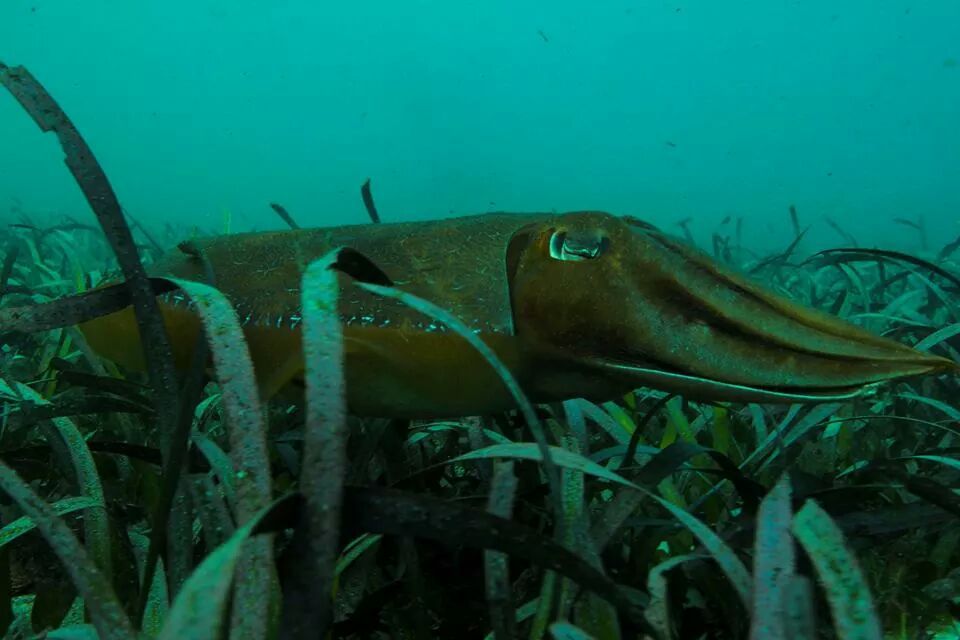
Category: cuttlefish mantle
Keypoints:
(581, 304)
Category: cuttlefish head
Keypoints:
(607, 302)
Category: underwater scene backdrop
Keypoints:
(665, 110)
(275, 362)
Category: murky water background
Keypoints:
(665, 110)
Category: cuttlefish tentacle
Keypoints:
(582, 304)
(755, 310)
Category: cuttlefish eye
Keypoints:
(574, 246)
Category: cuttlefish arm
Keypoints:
(576, 305)
(612, 305)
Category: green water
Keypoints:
(665, 110)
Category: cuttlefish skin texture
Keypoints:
(581, 304)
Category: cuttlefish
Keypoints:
(581, 304)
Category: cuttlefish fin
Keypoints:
(116, 336)
(280, 374)
(277, 355)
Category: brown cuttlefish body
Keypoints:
(582, 304)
